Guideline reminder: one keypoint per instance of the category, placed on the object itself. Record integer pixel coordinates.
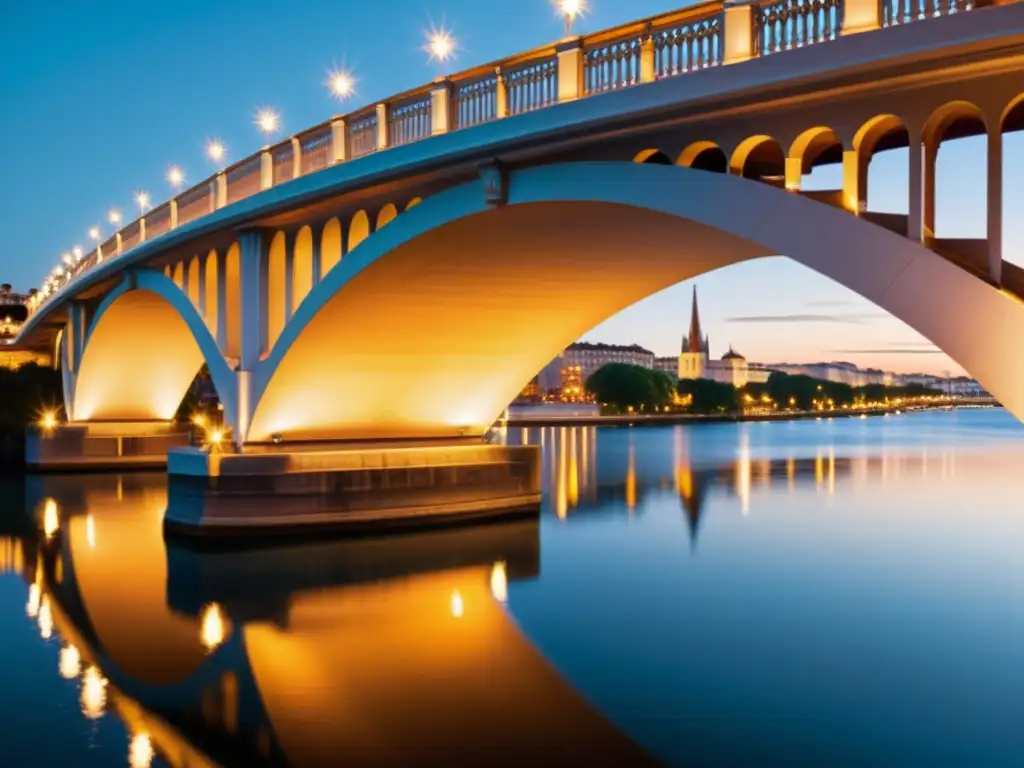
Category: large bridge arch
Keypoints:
(145, 345)
(435, 322)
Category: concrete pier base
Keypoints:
(103, 445)
(356, 489)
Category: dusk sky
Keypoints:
(99, 99)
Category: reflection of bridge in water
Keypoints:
(694, 464)
(375, 652)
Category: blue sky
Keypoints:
(105, 96)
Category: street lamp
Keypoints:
(142, 199)
(268, 121)
(114, 217)
(440, 44)
(77, 252)
(175, 177)
(570, 9)
(94, 233)
(341, 83)
(215, 150)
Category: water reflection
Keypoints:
(843, 576)
(385, 651)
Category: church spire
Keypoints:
(695, 341)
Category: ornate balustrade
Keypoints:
(663, 46)
(781, 25)
(409, 120)
(362, 134)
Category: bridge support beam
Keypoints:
(994, 211)
(921, 219)
(855, 181)
(254, 278)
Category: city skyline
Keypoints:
(94, 111)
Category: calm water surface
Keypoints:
(843, 592)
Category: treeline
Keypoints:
(620, 387)
(25, 393)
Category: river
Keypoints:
(833, 592)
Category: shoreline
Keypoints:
(664, 419)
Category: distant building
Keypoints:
(839, 372)
(572, 368)
(695, 357)
(669, 365)
(13, 314)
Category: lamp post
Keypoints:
(175, 177)
(570, 9)
(268, 121)
(216, 151)
(440, 45)
(142, 200)
(341, 84)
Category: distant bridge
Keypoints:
(401, 271)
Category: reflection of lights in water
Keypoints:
(791, 474)
(212, 629)
(90, 531)
(819, 470)
(499, 582)
(743, 472)
(140, 751)
(631, 480)
(45, 619)
(51, 520)
(561, 495)
(456, 606)
(70, 662)
(94, 694)
(32, 606)
(574, 472)
(832, 471)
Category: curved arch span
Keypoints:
(144, 348)
(444, 358)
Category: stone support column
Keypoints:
(738, 32)
(794, 174)
(382, 126)
(647, 69)
(570, 69)
(500, 94)
(921, 218)
(222, 302)
(296, 158)
(440, 107)
(862, 16)
(266, 169)
(339, 141)
(855, 181)
(994, 210)
(173, 213)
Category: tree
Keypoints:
(621, 386)
(710, 396)
(27, 393)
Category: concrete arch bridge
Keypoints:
(400, 272)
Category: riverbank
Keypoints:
(662, 419)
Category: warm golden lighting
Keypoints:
(94, 694)
(570, 9)
(142, 200)
(77, 252)
(45, 619)
(499, 582)
(34, 599)
(175, 176)
(456, 606)
(199, 420)
(94, 233)
(90, 531)
(70, 662)
(51, 519)
(215, 150)
(140, 751)
(114, 217)
(440, 44)
(341, 83)
(216, 437)
(212, 629)
(67, 259)
(268, 121)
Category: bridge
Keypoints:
(399, 272)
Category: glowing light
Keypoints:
(51, 518)
(456, 606)
(570, 9)
(440, 44)
(268, 121)
(341, 83)
(212, 629)
(175, 176)
(90, 531)
(499, 582)
(216, 437)
(94, 694)
(94, 233)
(114, 217)
(142, 200)
(48, 420)
(215, 150)
(70, 662)
(68, 259)
(77, 252)
(34, 599)
(45, 619)
(199, 420)
(140, 751)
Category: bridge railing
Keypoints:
(708, 34)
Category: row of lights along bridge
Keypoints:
(441, 47)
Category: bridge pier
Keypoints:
(353, 488)
(102, 445)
